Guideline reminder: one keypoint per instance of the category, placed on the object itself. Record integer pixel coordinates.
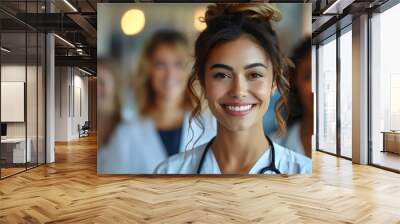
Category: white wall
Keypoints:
(33, 126)
(80, 110)
(16, 73)
(61, 103)
(71, 94)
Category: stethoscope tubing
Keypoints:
(270, 167)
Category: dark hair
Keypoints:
(300, 53)
(228, 22)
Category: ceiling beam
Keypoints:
(82, 61)
(84, 24)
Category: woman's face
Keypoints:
(238, 83)
(168, 73)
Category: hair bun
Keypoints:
(263, 11)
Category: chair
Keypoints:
(84, 130)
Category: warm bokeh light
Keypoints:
(132, 22)
(198, 25)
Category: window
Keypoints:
(22, 77)
(385, 89)
(346, 93)
(327, 96)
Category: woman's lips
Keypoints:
(238, 110)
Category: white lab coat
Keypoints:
(292, 139)
(135, 147)
(286, 161)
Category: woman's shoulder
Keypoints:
(291, 140)
(295, 162)
(182, 163)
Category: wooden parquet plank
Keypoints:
(70, 191)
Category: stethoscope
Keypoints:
(270, 167)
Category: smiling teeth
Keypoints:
(239, 108)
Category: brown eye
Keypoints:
(160, 65)
(220, 75)
(256, 75)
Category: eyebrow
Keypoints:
(221, 66)
(255, 65)
(227, 67)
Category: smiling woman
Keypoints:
(238, 65)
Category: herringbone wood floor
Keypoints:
(70, 191)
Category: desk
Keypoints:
(391, 141)
(15, 148)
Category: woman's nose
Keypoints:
(238, 87)
(168, 73)
(172, 71)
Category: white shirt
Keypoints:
(292, 139)
(135, 146)
(286, 161)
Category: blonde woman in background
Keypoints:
(161, 128)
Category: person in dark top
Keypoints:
(300, 107)
(171, 140)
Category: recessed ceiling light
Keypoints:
(64, 40)
(199, 15)
(5, 50)
(84, 71)
(132, 22)
(70, 5)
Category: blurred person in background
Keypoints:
(109, 108)
(161, 127)
(269, 123)
(300, 106)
